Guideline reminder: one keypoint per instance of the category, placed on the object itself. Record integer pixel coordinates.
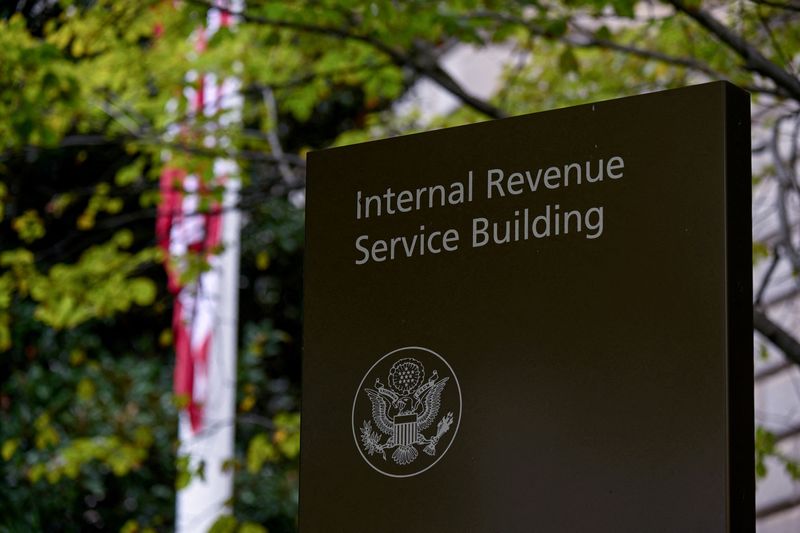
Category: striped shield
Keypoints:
(405, 429)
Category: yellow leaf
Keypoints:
(9, 447)
(248, 402)
(29, 226)
(259, 451)
(77, 356)
(78, 48)
(143, 291)
(85, 221)
(36, 472)
(262, 260)
(181, 401)
(131, 526)
(5, 332)
(85, 389)
(53, 476)
(250, 527)
(165, 338)
(280, 436)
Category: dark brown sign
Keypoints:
(541, 323)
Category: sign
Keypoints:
(541, 323)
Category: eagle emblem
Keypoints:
(403, 409)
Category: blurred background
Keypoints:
(127, 126)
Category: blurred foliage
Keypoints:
(91, 93)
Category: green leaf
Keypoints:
(259, 451)
(556, 27)
(224, 524)
(624, 8)
(29, 226)
(568, 62)
(184, 474)
(130, 173)
(85, 390)
(251, 527)
(760, 251)
(143, 291)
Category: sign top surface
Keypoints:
(526, 322)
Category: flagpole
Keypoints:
(206, 431)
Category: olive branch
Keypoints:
(371, 440)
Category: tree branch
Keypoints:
(784, 504)
(776, 256)
(753, 58)
(786, 184)
(776, 45)
(585, 38)
(592, 41)
(272, 136)
(423, 64)
(778, 336)
(788, 5)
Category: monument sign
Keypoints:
(536, 324)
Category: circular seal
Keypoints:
(406, 411)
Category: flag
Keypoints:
(189, 236)
(189, 225)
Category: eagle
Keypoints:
(427, 401)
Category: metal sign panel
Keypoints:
(540, 323)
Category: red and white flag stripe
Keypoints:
(184, 230)
(188, 233)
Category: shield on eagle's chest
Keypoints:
(405, 429)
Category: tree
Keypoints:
(91, 91)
